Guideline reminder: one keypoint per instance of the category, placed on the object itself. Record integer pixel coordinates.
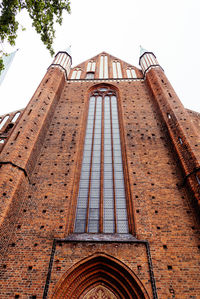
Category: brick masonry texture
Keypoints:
(39, 174)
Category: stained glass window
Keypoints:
(101, 204)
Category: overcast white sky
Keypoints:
(170, 29)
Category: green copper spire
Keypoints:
(68, 50)
(142, 51)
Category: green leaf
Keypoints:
(43, 13)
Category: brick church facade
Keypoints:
(100, 185)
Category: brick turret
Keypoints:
(63, 60)
(183, 134)
(20, 152)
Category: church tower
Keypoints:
(184, 136)
(100, 185)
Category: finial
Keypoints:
(142, 51)
(68, 50)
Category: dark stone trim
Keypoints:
(19, 167)
(102, 238)
(145, 54)
(156, 65)
(56, 64)
(108, 79)
(188, 175)
(46, 288)
(108, 238)
(64, 52)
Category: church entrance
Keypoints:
(100, 277)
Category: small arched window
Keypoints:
(76, 74)
(131, 73)
(91, 66)
(15, 117)
(101, 206)
(117, 72)
(3, 121)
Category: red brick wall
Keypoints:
(43, 208)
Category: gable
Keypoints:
(104, 66)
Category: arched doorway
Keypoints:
(100, 276)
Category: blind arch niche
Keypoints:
(102, 203)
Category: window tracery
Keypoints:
(76, 74)
(117, 72)
(101, 204)
(131, 73)
(91, 66)
(99, 292)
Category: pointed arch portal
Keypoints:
(100, 276)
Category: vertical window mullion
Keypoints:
(93, 66)
(103, 66)
(133, 73)
(121, 211)
(113, 172)
(91, 158)
(106, 66)
(116, 70)
(101, 69)
(75, 74)
(128, 73)
(119, 70)
(102, 169)
(109, 226)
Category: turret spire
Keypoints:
(69, 50)
(63, 60)
(147, 60)
(142, 51)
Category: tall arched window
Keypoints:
(101, 206)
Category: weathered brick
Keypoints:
(38, 202)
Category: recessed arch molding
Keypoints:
(101, 273)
